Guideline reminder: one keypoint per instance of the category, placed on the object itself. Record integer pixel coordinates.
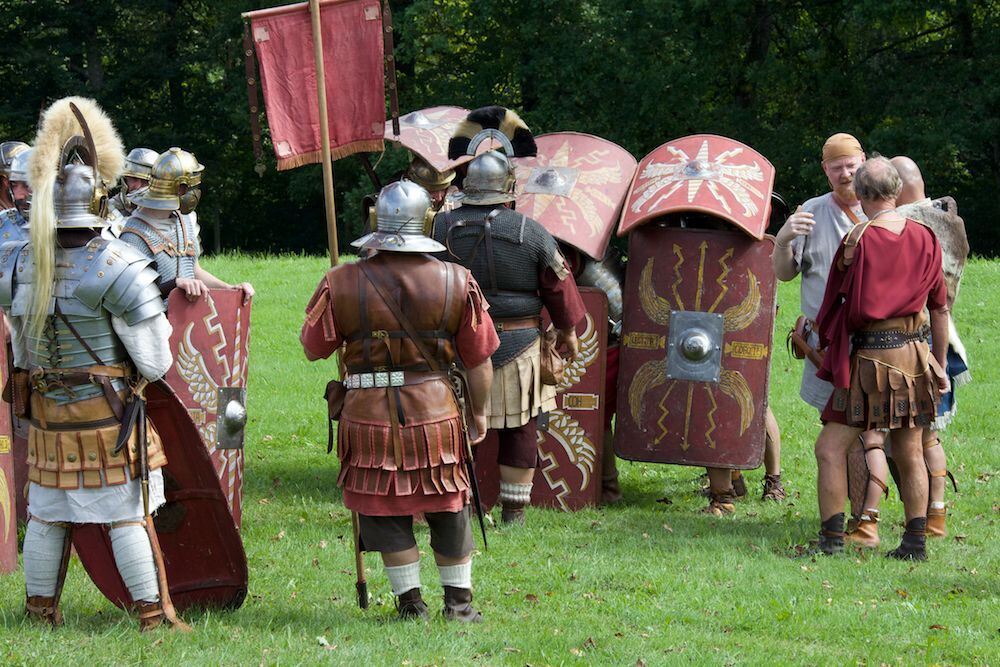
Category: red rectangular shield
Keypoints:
(8, 487)
(696, 347)
(571, 437)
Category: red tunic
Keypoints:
(474, 341)
(891, 276)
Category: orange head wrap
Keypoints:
(841, 145)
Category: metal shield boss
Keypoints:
(571, 437)
(202, 550)
(699, 307)
(426, 133)
(575, 188)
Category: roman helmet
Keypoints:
(402, 211)
(19, 172)
(488, 180)
(8, 151)
(427, 177)
(139, 163)
(171, 170)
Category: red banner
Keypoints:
(355, 79)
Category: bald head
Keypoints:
(913, 181)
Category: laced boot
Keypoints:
(721, 504)
(43, 608)
(151, 615)
(865, 533)
(458, 605)
(936, 522)
(773, 490)
(831, 535)
(739, 484)
(411, 605)
(512, 513)
(914, 543)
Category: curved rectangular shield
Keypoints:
(8, 487)
(571, 437)
(202, 550)
(575, 188)
(705, 173)
(696, 347)
(426, 133)
(210, 344)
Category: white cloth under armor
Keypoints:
(105, 504)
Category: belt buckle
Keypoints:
(498, 326)
(380, 334)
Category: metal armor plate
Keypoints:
(575, 187)
(8, 487)
(704, 300)
(571, 437)
(210, 344)
(426, 133)
(703, 172)
(202, 550)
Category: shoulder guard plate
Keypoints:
(9, 254)
(111, 259)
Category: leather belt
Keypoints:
(887, 340)
(378, 379)
(513, 324)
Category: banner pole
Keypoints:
(324, 133)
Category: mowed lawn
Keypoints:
(643, 582)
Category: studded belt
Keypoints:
(377, 379)
(887, 340)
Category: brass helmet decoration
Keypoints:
(171, 170)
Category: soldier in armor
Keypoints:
(163, 227)
(437, 183)
(138, 165)
(15, 194)
(402, 320)
(519, 265)
(88, 332)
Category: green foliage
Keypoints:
(916, 78)
(642, 580)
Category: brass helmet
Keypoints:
(139, 163)
(427, 177)
(402, 211)
(171, 170)
(8, 151)
(191, 196)
(489, 180)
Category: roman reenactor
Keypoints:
(15, 194)
(135, 177)
(437, 183)
(873, 327)
(89, 333)
(404, 322)
(520, 267)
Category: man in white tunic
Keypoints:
(88, 328)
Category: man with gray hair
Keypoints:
(873, 327)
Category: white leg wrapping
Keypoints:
(456, 576)
(403, 578)
(134, 558)
(43, 549)
(515, 493)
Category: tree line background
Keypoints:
(921, 79)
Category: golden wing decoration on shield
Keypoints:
(590, 348)
(655, 306)
(5, 504)
(204, 390)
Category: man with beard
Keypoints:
(138, 165)
(14, 191)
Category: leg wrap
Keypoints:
(456, 576)
(511, 492)
(134, 558)
(43, 552)
(404, 578)
(914, 543)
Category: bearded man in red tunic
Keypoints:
(404, 320)
(885, 375)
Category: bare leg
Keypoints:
(935, 459)
(909, 456)
(400, 558)
(772, 445)
(831, 461)
(721, 493)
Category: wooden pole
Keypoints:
(324, 133)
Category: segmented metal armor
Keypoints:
(175, 251)
(521, 247)
(13, 226)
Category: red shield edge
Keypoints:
(715, 424)
(575, 188)
(706, 173)
(8, 485)
(426, 132)
(210, 343)
(570, 445)
(202, 551)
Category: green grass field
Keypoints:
(640, 583)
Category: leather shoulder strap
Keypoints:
(851, 243)
(371, 274)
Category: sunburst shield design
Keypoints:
(426, 133)
(702, 173)
(570, 442)
(696, 347)
(575, 188)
